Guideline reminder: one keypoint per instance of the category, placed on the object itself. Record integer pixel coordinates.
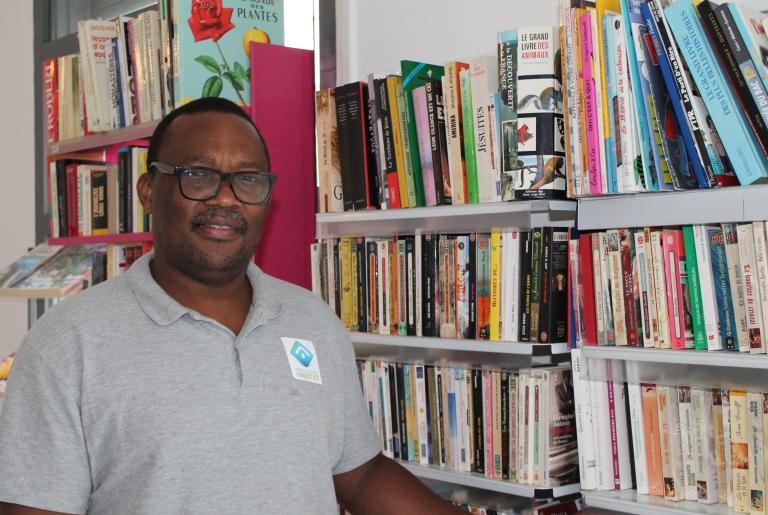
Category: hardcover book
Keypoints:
(213, 46)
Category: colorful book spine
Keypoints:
(496, 271)
(697, 310)
(455, 130)
(674, 252)
(507, 54)
(596, 187)
(468, 124)
(739, 424)
(748, 162)
(707, 288)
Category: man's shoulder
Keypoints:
(81, 314)
(292, 296)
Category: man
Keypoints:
(195, 383)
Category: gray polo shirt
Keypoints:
(121, 400)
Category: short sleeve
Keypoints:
(43, 456)
(361, 443)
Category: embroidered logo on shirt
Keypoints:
(302, 359)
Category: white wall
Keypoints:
(374, 35)
(17, 148)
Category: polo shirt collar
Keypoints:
(164, 309)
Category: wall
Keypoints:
(373, 35)
(17, 146)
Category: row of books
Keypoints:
(697, 287)
(135, 69)
(517, 426)
(57, 271)
(502, 286)
(663, 95)
(485, 130)
(91, 198)
(679, 442)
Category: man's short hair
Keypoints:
(201, 105)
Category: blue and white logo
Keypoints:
(302, 358)
(301, 353)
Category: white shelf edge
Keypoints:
(449, 344)
(451, 219)
(684, 357)
(477, 481)
(729, 204)
(417, 213)
(629, 501)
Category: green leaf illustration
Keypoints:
(240, 71)
(233, 79)
(248, 73)
(210, 64)
(212, 87)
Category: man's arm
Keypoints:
(383, 487)
(17, 509)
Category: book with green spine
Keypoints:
(467, 117)
(697, 311)
(416, 74)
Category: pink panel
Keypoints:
(282, 106)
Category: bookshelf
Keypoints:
(102, 139)
(629, 501)
(729, 204)
(474, 480)
(458, 352)
(447, 219)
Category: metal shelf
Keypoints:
(731, 204)
(103, 139)
(447, 219)
(474, 480)
(458, 352)
(707, 369)
(684, 357)
(629, 501)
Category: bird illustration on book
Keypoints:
(549, 99)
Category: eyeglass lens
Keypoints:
(201, 184)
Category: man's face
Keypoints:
(210, 240)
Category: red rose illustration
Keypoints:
(210, 20)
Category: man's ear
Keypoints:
(144, 190)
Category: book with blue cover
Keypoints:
(213, 40)
(748, 162)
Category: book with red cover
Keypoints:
(283, 108)
(586, 272)
(674, 252)
(626, 242)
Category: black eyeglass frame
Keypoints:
(178, 171)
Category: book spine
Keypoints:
(672, 255)
(728, 454)
(647, 298)
(687, 441)
(394, 409)
(583, 409)
(373, 110)
(636, 419)
(488, 403)
(612, 326)
(722, 462)
(631, 317)
(421, 118)
(596, 185)
(704, 446)
(512, 425)
(483, 287)
(454, 131)
(482, 85)
(544, 333)
(707, 288)
(471, 330)
(747, 161)
(421, 415)
(653, 437)
(739, 422)
(730, 233)
(761, 261)
(373, 285)
(586, 279)
(741, 70)
(436, 123)
(498, 411)
(478, 424)
(442, 414)
(467, 120)
(525, 286)
(536, 277)
(361, 283)
(723, 293)
(507, 54)
(601, 320)
(461, 259)
(694, 288)
(495, 286)
(616, 287)
(678, 85)
(748, 262)
(756, 452)
(407, 176)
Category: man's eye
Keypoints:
(197, 173)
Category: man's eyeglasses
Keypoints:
(204, 183)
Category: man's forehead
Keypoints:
(209, 160)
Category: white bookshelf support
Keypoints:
(474, 480)
(732, 204)
(629, 501)
(708, 369)
(452, 352)
(447, 219)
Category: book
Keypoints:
(213, 47)
(454, 122)
(65, 273)
(740, 436)
(330, 195)
(541, 128)
(483, 73)
(507, 66)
